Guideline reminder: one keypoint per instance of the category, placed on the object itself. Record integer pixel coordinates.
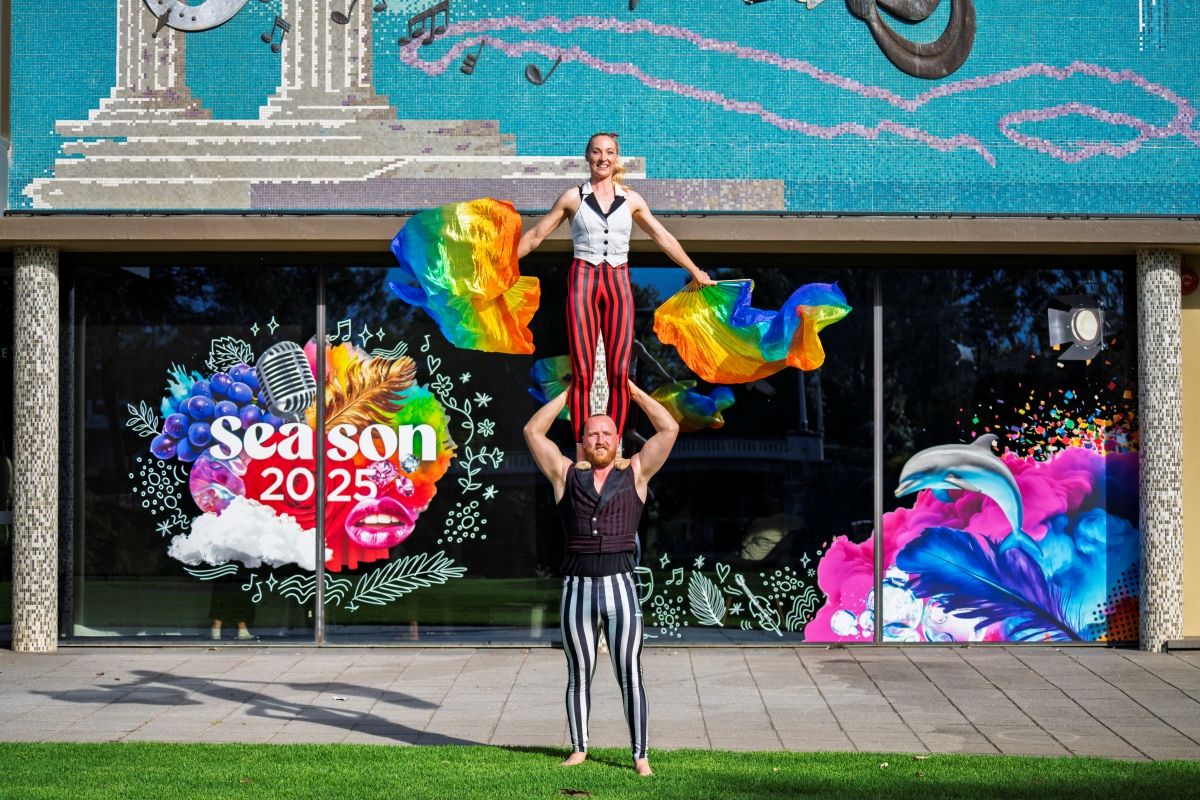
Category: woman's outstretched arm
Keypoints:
(545, 226)
(665, 241)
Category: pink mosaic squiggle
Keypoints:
(1180, 125)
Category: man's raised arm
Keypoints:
(546, 455)
(655, 451)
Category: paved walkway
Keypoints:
(1115, 703)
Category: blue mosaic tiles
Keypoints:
(775, 106)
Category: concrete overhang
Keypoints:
(701, 233)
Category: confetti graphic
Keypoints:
(1045, 422)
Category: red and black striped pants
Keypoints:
(599, 303)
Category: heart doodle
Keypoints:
(722, 572)
(433, 362)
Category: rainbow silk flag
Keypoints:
(691, 409)
(461, 264)
(723, 339)
(551, 377)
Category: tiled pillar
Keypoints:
(35, 450)
(151, 73)
(326, 68)
(1160, 411)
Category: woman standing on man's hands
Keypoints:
(599, 300)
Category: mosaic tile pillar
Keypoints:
(151, 73)
(1160, 410)
(326, 68)
(35, 450)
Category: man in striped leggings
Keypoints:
(600, 502)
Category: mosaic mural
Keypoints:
(722, 105)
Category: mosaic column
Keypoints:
(35, 450)
(326, 69)
(151, 73)
(1159, 407)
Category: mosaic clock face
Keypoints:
(205, 16)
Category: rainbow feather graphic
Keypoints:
(461, 263)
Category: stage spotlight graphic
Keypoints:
(1078, 320)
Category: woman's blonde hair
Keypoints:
(618, 168)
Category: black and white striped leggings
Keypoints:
(588, 603)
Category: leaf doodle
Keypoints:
(370, 394)
(707, 602)
(401, 577)
(227, 352)
(142, 419)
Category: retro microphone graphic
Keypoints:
(288, 385)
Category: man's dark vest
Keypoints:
(600, 523)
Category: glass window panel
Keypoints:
(458, 553)
(736, 523)
(742, 517)
(1031, 537)
(165, 538)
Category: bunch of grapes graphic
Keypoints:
(190, 410)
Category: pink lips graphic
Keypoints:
(379, 523)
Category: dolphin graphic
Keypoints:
(973, 468)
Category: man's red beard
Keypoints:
(601, 459)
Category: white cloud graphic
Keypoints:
(249, 532)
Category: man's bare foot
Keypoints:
(642, 765)
(575, 759)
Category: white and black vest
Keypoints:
(598, 236)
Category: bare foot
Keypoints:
(575, 759)
(642, 765)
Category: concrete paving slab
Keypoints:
(1119, 704)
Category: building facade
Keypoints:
(991, 446)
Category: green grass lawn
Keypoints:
(169, 771)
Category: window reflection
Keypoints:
(1010, 471)
(147, 347)
(736, 523)
(758, 529)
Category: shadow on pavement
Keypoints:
(167, 689)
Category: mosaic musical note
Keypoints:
(426, 24)
(281, 25)
(344, 19)
(534, 75)
(470, 60)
